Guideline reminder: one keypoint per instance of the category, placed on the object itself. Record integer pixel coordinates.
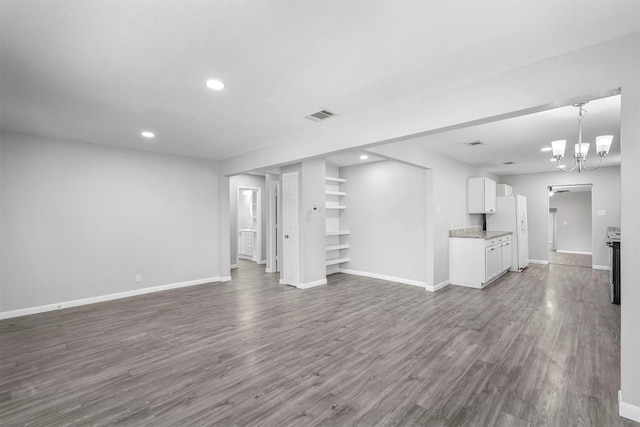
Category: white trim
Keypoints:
(268, 270)
(538, 261)
(627, 410)
(601, 267)
(574, 252)
(384, 277)
(432, 288)
(311, 284)
(108, 297)
(232, 266)
(264, 261)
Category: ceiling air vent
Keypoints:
(320, 115)
(474, 143)
(509, 163)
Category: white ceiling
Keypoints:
(351, 158)
(520, 139)
(102, 71)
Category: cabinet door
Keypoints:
(481, 196)
(489, 196)
(506, 256)
(492, 257)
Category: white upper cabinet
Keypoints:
(482, 196)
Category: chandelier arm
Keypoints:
(575, 165)
(595, 167)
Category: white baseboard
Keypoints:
(385, 277)
(232, 266)
(600, 267)
(538, 261)
(264, 261)
(627, 410)
(108, 297)
(437, 287)
(269, 270)
(574, 252)
(311, 284)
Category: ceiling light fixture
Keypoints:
(603, 144)
(364, 157)
(215, 84)
(148, 134)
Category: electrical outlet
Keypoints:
(138, 278)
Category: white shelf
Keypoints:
(337, 247)
(337, 261)
(337, 233)
(335, 241)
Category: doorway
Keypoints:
(248, 215)
(570, 231)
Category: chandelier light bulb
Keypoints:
(581, 150)
(558, 147)
(603, 144)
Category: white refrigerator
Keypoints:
(511, 215)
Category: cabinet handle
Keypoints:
(286, 236)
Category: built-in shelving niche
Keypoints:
(336, 238)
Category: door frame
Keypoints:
(274, 239)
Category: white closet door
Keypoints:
(290, 249)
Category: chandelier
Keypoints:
(603, 144)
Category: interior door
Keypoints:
(552, 229)
(523, 232)
(290, 270)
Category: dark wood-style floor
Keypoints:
(536, 348)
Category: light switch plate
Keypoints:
(602, 212)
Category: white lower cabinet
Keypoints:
(492, 263)
(505, 254)
(476, 262)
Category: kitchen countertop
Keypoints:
(481, 234)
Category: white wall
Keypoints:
(385, 215)
(573, 221)
(82, 220)
(312, 224)
(446, 199)
(605, 195)
(246, 181)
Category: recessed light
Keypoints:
(364, 157)
(148, 134)
(545, 149)
(215, 84)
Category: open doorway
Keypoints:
(570, 216)
(248, 223)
